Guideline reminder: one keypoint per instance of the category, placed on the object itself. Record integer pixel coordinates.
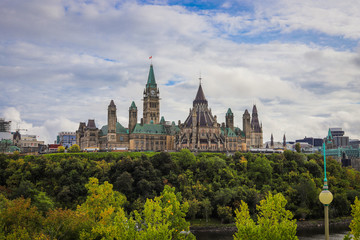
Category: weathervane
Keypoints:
(200, 78)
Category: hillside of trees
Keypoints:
(212, 185)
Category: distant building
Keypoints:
(316, 142)
(199, 132)
(5, 125)
(202, 132)
(53, 148)
(27, 143)
(5, 133)
(66, 139)
(354, 143)
(338, 138)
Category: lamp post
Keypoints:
(326, 198)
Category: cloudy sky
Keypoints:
(62, 61)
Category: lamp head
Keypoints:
(326, 197)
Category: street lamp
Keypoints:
(326, 198)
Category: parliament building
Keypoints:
(199, 132)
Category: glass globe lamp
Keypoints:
(326, 197)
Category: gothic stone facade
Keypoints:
(151, 134)
(199, 132)
(202, 132)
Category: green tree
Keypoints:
(273, 220)
(206, 208)
(18, 219)
(194, 208)
(260, 171)
(225, 213)
(298, 147)
(61, 149)
(74, 148)
(43, 202)
(103, 208)
(355, 222)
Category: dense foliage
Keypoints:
(212, 185)
(355, 222)
(101, 216)
(273, 221)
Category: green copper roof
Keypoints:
(151, 79)
(229, 112)
(162, 120)
(119, 129)
(230, 133)
(329, 136)
(149, 129)
(133, 106)
(156, 129)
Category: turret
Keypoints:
(246, 124)
(229, 119)
(132, 116)
(151, 107)
(284, 141)
(112, 119)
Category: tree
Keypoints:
(74, 148)
(298, 147)
(206, 208)
(18, 219)
(103, 208)
(355, 222)
(164, 217)
(260, 171)
(61, 149)
(43, 202)
(274, 221)
(225, 213)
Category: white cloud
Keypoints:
(62, 63)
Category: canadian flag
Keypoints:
(150, 57)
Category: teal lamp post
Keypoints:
(326, 198)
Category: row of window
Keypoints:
(148, 137)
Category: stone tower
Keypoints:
(272, 141)
(284, 141)
(132, 116)
(229, 119)
(256, 130)
(247, 127)
(151, 109)
(112, 122)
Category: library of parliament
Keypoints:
(200, 131)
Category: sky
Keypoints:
(63, 61)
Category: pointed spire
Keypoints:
(255, 125)
(200, 97)
(151, 78)
(112, 104)
(229, 112)
(162, 121)
(284, 141)
(272, 141)
(329, 134)
(254, 109)
(133, 106)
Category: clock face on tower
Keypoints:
(152, 92)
